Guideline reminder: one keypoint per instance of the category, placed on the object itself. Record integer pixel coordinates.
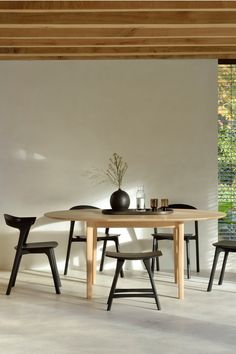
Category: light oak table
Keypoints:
(95, 219)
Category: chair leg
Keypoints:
(14, 280)
(216, 256)
(148, 267)
(188, 258)
(222, 273)
(55, 274)
(15, 268)
(67, 256)
(118, 250)
(119, 265)
(155, 260)
(103, 255)
(153, 249)
(197, 255)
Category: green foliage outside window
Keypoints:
(227, 149)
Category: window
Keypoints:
(227, 149)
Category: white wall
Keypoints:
(62, 119)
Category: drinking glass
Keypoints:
(154, 204)
(164, 203)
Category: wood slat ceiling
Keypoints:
(46, 30)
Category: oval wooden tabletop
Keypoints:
(179, 215)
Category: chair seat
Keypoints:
(99, 237)
(225, 246)
(35, 245)
(104, 236)
(229, 245)
(133, 292)
(134, 256)
(169, 236)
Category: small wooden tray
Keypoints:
(159, 211)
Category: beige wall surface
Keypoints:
(60, 121)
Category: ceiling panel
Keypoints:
(117, 29)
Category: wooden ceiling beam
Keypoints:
(104, 42)
(117, 50)
(114, 5)
(118, 57)
(119, 18)
(118, 31)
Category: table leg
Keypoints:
(94, 254)
(90, 262)
(180, 259)
(175, 239)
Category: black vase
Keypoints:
(120, 200)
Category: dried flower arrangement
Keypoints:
(116, 169)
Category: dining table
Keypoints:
(95, 218)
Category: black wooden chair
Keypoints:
(24, 224)
(133, 292)
(221, 246)
(82, 238)
(158, 236)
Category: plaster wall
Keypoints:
(60, 121)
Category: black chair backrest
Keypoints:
(80, 207)
(23, 224)
(181, 206)
(185, 206)
(77, 207)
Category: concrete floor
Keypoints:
(33, 319)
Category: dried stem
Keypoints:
(116, 169)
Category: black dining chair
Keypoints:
(158, 236)
(106, 237)
(226, 247)
(23, 224)
(133, 292)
